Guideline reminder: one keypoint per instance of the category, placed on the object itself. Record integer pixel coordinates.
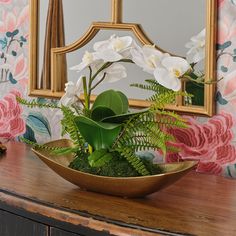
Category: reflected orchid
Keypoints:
(148, 57)
(88, 59)
(114, 49)
(196, 46)
(173, 69)
(167, 70)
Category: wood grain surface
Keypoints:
(196, 205)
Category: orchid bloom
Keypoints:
(169, 75)
(114, 49)
(148, 57)
(196, 47)
(88, 59)
(72, 91)
(114, 73)
(166, 69)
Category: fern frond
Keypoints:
(34, 103)
(69, 126)
(160, 100)
(38, 146)
(169, 119)
(135, 161)
(151, 85)
(54, 150)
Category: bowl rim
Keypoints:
(191, 166)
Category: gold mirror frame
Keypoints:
(57, 85)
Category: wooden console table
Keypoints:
(34, 201)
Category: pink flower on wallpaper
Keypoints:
(5, 1)
(20, 70)
(221, 3)
(210, 143)
(227, 87)
(12, 21)
(11, 122)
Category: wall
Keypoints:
(212, 141)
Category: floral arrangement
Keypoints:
(110, 139)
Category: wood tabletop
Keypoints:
(197, 204)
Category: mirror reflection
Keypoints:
(60, 32)
(168, 28)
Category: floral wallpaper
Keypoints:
(210, 140)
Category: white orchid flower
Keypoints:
(114, 49)
(148, 57)
(196, 47)
(88, 59)
(72, 91)
(113, 73)
(169, 75)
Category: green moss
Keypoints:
(117, 167)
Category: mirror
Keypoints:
(168, 28)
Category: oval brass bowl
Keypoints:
(118, 186)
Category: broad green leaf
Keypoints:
(118, 119)
(99, 158)
(101, 112)
(125, 101)
(99, 135)
(112, 100)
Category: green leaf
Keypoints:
(9, 34)
(99, 158)
(118, 119)
(224, 69)
(29, 134)
(125, 101)
(101, 112)
(37, 122)
(11, 79)
(113, 100)
(15, 32)
(66, 150)
(99, 135)
(224, 45)
(14, 53)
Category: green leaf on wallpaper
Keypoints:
(234, 58)
(3, 42)
(14, 53)
(23, 39)
(12, 34)
(38, 123)
(29, 134)
(224, 69)
(11, 79)
(220, 99)
(8, 34)
(15, 32)
(224, 45)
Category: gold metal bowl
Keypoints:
(118, 186)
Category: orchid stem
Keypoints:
(100, 81)
(85, 93)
